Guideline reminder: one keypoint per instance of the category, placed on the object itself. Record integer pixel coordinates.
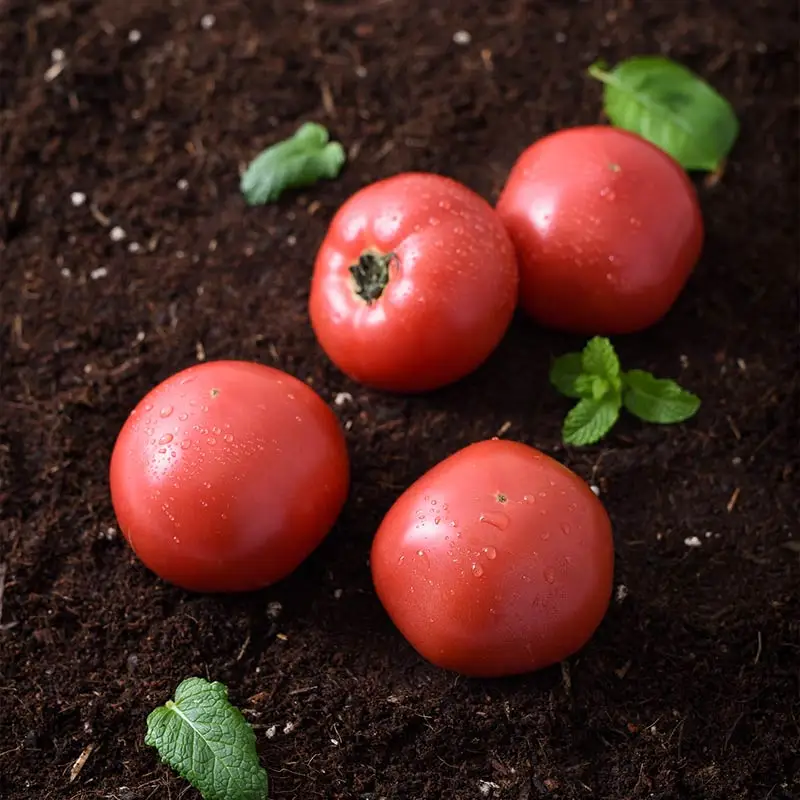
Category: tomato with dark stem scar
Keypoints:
(227, 475)
(414, 285)
(498, 561)
(607, 228)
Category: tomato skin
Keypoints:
(451, 293)
(227, 475)
(607, 229)
(498, 561)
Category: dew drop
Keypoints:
(148, 407)
(490, 552)
(166, 411)
(497, 519)
(183, 417)
(477, 570)
(211, 440)
(228, 437)
(545, 534)
(216, 430)
(433, 502)
(529, 499)
(162, 450)
(401, 560)
(565, 528)
(166, 438)
(549, 575)
(420, 552)
(437, 520)
(204, 408)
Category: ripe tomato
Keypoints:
(414, 285)
(498, 561)
(227, 475)
(607, 229)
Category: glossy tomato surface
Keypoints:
(414, 285)
(607, 229)
(227, 475)
(498, 561)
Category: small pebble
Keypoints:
(462, 37)
(134, 247)
(342, 398)
(66, 272)
(692, 541)
(183, 184)
(117, 234)
(561, 37)
(57, 55)
(207, 22)
(98, 273)
(134, 36)
(595, 489)
(77, 199)
(361, 71)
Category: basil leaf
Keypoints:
(670, 106)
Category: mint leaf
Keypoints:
(657, 400)
(208, 742)
(600, 358)
(592, 387)
(565, 372)
(590, 420)
(301, 160)
(670, 106)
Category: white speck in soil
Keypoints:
(595, 489)
(77, 199)
(96, 274)
(342, 398)
(361, 71)
(134, 247)
(183, 184)
(462, 37)
(134, 36)
(692, 541)
(621, 593)
(57, 55)
(561, 37)
(207, 22)
(117, 234)
(271, 731)
(66, 272)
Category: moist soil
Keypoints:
(690, 687)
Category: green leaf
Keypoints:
(305, 158)
(590, 420)
(592, 387)
(565, 372)
(670, 106)
(600, 358)
(657, 400)
(208, 742)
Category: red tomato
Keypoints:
(414, 285)
(607, 229)
(498, 561)
(227, 475)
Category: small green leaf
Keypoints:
(301, 160)
(565, 372)
(657, 400)
(600, 358)
(670, 106)
(592, 387)
(208, 742)
(590, 420)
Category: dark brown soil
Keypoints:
(690, 688)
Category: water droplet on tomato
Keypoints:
(211, 440)
(148, 407)
(497, 519)
(490, 552)
(401, 560)
(437, 520)
(183, 417)
(216, 430)
(166, 411)
(565, 528)
(549, 575)
(477, 570)
(228, 437)
(165, 439)
(636, 223)
(545, 534)
(186, 444)
(433, 502)
(204, 408)
(162, 450)
(529, 499)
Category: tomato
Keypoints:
(607, 229)
(498, 561)
(414, 285)
(227, 475)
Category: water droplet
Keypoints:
(497, 519)
(636, 223)
(491, 553)
(401, 559)
(148, 407)
(565, 528)
(186, 444)
(166, 411)
(549, 575)
(216, 430)
(437, 520)
(211, 440)
(176, 540)
(545, 534)
(477, 570)
(433, 502)
(204, 408)
(162, 450)
(228, 437)
(452, 523)
(183, 417)
(529, 499)
(165, 439)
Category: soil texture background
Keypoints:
(690, 689)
